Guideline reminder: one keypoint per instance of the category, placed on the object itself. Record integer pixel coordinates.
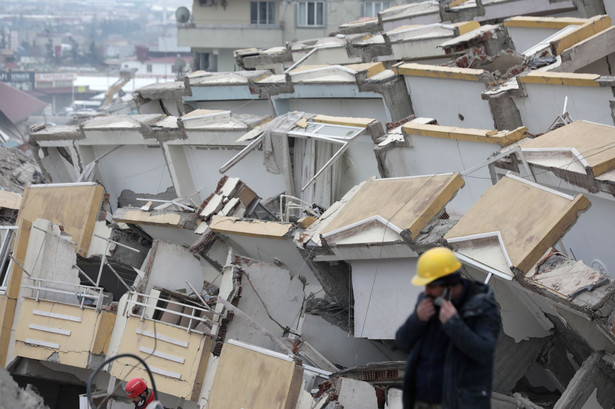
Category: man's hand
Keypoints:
(447, 310)
(425, 310)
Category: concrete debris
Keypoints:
(282, 282)
(15, 397)
(18, 169)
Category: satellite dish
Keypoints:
(182, 15)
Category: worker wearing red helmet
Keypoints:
(138, 393)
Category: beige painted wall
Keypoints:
(182, 379)
(7, 315)
(73, 207)
(7, 306)
(264, 382)
(89, 332)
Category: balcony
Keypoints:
(233, 36)
(63, 322)
(175, 337)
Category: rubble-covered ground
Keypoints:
(18, 169)
(13, 397)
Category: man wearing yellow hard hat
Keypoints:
(450, 337)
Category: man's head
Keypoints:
(136, 390)
(437, 269)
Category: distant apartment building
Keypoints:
(162, 68)
(215, 28)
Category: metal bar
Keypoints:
(525, 164)
(100, 300)
(488, 278)
(305, 57)
(198, 295)
(48, 232)
(170, 302)
(118, 243)
(38, 291)
(117, 275)
(20, 266)
(325, 138)
(173, 202)
(183, 206)
(490, 160)
(102, 263)
(85, 275)
(290, 204)
(337, 154)
(64, 283)
(242, 154)
(63, 185)
(180, 314)
(58, 291)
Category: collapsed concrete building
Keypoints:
(271, 218)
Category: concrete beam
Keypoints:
(594, 380)
(395, 94)
(504, 111)
(588, 51)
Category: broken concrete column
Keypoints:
(395, 94)
(394, 399)
(516, 358)
(505, 113)
(355, 394)
(593, 384)
(467, 14)
(590, 8)
(334, 278)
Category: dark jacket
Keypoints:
(143, 404)
(468, 366)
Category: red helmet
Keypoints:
(135, 387)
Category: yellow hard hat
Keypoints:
(435, 263)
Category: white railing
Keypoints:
(147, 305)
(291, 204)
(66, 293)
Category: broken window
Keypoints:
(7, 233)
(314, 152)
(335, 134)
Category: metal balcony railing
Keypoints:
(291, 205)
(66, 293)
(147, 306)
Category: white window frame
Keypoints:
(372, 8)
(338, 134)
(6, 239)
(303, 18)
(270, 18)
